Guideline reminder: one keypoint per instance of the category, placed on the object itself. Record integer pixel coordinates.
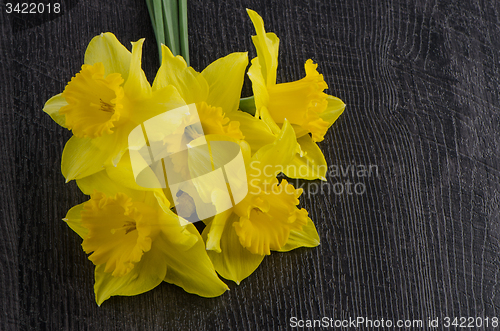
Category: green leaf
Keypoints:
(171, 24)
(169, 21)
(183, 30)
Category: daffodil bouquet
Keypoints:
(155, 159)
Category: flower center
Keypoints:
(118, 233)
(192, 133)
(94, 101)
(266, 218)
(214, 121)
(107, 107)
(129, 226)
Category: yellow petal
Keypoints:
(137, 243)
(137, 85)
(146, 275)
(105, 48)
(267, 46)
(81, 158)
(307, 237)
(151, 269)
(175, 229)
(214, 121)
(271, 159)
(244, 146)
(74, 220)
(102, 182)
(259, 86)
(161, 101)
(214, 230)
(192, 269)
(191, 85)
(311, 164)
(84, 156)
(334, 109)
(234, 262)
(270, 122)
(255, 131)
(259, 235)
(52, 107)
(225, 79)
(123, 175)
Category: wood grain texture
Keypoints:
(421, 84)
(9, 257)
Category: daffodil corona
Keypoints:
(310, 111)
(94, 102)
(103, 103)
(136, 242)
(267, 219)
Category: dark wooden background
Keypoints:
(421, 84)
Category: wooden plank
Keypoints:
(9, 299)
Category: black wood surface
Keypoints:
(421, 84)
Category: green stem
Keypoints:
(248, 105)
(169, 20)
(183, 30)
(158, 26)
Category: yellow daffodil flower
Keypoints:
(136, 242)
(103, 103)
(215, 91)
(266, 219)
(302, 102)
